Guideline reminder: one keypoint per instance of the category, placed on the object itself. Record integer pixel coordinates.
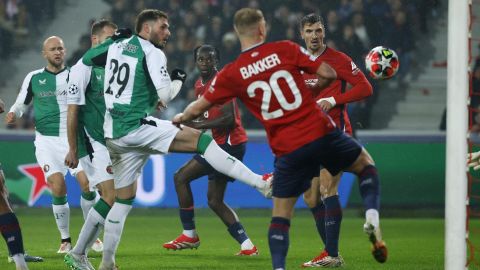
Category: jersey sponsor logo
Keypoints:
(311, 82)
(42, 82)
(129, 47)
(52, 93)
(355, 69)
(259, 66)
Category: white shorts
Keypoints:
(50, 152)
(97, 165)
(130, 152)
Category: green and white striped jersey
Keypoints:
(135, 72)
(49, 94)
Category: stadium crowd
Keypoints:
(352, 26)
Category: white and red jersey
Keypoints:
(267, 79)
(347, 72)
(235, 136)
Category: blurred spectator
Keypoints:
(351, 44)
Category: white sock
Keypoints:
(19, 260)
(86, 205)
(62, 218)
(229, 165)
(113, 231)
(89, 233)
(372, 216)
(247, 244)
(190, 233)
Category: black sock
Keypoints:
(187, 216)
(318, 213)
(237, 231)
(333, 220)
(369, 185)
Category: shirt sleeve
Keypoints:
(219, 92)
(157, 69)
(77, 85)
(24, 97)
(349, 72)
(306, 61)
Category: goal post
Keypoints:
(457, 126)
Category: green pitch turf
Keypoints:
(412, 243)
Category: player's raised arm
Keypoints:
(23, 99)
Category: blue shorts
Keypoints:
(237, 151)
(294, 171)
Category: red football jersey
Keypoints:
(267, 79)
(347, 72)
(235, 136)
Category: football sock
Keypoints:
(278, 241)
(319, 216)
(227, 164)
(237, 231)
(333, 219)
(19, 260)
(187, 217)
(11, 232)
(91, 228)
(369, 185)
(113, 229)
(61, 212)
(87, 200)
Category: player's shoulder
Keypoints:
(338, 55)
(35, 72)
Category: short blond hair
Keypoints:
(246, 18)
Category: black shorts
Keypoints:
(294, 171)
(237, 151)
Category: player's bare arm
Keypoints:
(193, 110)
(2, 106)
(326, 75)
(225, 121)
(71, 159)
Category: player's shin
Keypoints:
(91, 228)
(278, 241)
(227, 164)
(61, 212)
(333, 220)
(87, 201)
(369, 185)
(114, 224)
(11, 232)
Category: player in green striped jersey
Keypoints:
(47, 88)
(136, 83)
(86, 109)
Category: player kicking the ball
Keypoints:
(138, 83)
(267, 78)
(228, 132)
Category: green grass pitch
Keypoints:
(413, 243)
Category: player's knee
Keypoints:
(214, 202)
(310, 199)
(179, 178)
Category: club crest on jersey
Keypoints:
(254, 54)
(109, 169)
(46, 168)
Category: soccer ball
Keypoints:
(382, 63)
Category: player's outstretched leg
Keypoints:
(369, 185)
(182, 178)
(191, 140)
(215, 195)
(61, 210)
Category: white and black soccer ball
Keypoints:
(382, 63)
